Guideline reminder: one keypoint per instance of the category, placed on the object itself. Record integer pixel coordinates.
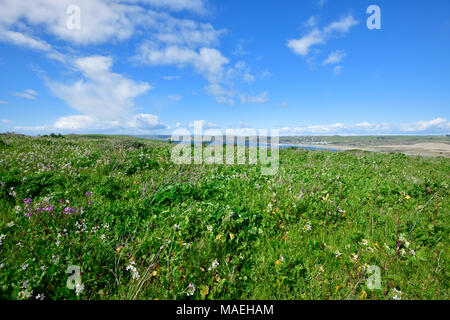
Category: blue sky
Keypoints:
(150, 66)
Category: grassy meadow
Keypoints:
(141, 227)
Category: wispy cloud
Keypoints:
(170, 78)
(318, 36)
(435, 126)
(175, 97)
(335, 57)
(27, 94)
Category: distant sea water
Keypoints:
(281, 145)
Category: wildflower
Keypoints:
(354, 257)
(397, 295)
(338, 253)
(412, 252)
(214, 265)
(133, 270)
(209, 228)
(25, 284)
(403, 240)
(40, 296)
(364, 242)
(103, 237)
(307, 226)
(3, 236)
(89, 193)
(49, 208)
(9, 225)
(281, 258)
(2, 265)
(407, 197)
(24, 294)
(79, 288)
(69, 210)
(231, 236)
(24, 266)
(191, 289)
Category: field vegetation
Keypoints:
(141, 227)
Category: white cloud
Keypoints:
(318, 36)
(435, 126)
(259, 99)
(206, 61)
(338, 70)
(311, 22)
(21, 39)
(5, 121)
(102, 93)
(27, 94)
(342, 26)
(222, 95)
(101, 20)
(335, 57)
(204, 124)
(169, 78)
(301, 46)
(88, 123)
(175, 97)
(198, 6)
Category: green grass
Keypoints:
(226, 230)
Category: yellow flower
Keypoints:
(278, 262)
(155, 273)
(407, 197)
(363, 295)
(326, 197)
(204, 291)
(231, 236)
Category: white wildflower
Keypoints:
(79, 288)
(191, 289)
(214, 265)
(40, 296)
(307, 226)
(24, 294)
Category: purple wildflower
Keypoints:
(49, 208)
(27, 201)
(69, 210)
(89, 193)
